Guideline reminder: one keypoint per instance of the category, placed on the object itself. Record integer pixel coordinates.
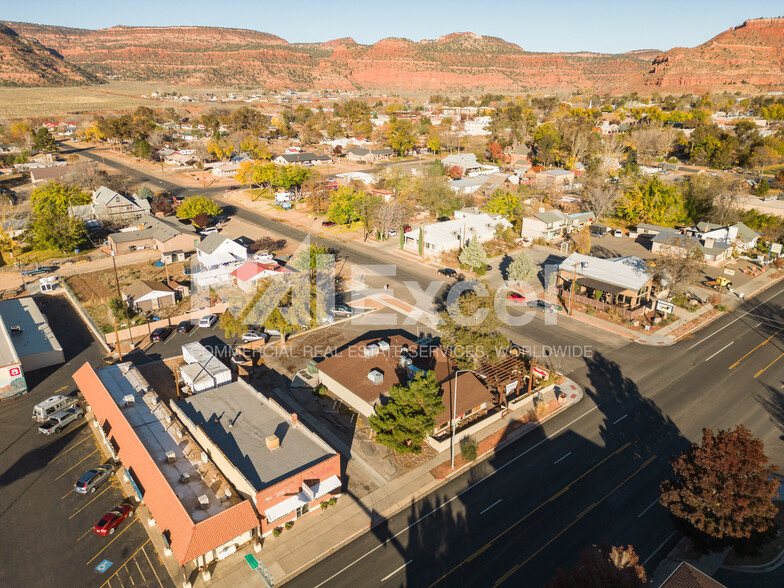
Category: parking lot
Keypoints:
(211, 337)
(47, 537)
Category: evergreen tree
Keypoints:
(521, 269)
(473, 255)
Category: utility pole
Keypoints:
(125, 310)
(574, 284)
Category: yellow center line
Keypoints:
(75, 465)
(757, 375)
(126, 561)
(89, 503)
(734, 365)
(116, 537)
(506, 576)
(89, 436)
(551, 499)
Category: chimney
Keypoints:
(709, 243)
(272, 442)
(294, 420)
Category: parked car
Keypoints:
(545, 305)
(392, 232)
(448, 272)
(38, 270)
(59, 420)
(160, 334)
(273, 333)
(113, 519)
(443, 219)
(617, 233)
(342, 310)
(488, 267)
(208, 320)
(208, 231)
(254, 335)
(515, 297)
(406, 228)
(89, 481)
(264, 257)
(328, 224)
(184, 326)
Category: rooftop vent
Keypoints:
(272, 442)
(376, 376)
(171, 456)
(185, 478)
(204, 502)
(16, 330)
(383, 345)
(371, 350)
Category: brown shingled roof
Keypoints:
(687, 576)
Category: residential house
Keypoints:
(49, 174)
(620, 283)
(645, 229)
(369, 155)
(249, 274)
(147, 296)
(557, 178)
(467, 185)
(270, 458)
(112, 207)
(201, 515)
(362, 373)
(348, 177)
(454, 234)
(180, 159)
(520, 154)
(302, 159)
(151, 232)
(737, 235)
(225, 170)
(687, 576)
(553, 224)
(477, 127)
(466, 161)
(217, 250)
(678, 244)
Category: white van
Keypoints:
(46, 408)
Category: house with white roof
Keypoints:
(454, 234)
(555, 178)
(623, 283)
(217, 250)
(466, 161)
(738, 235)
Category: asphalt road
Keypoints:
(589, 475)
(47, 537)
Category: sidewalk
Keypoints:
(315, 536)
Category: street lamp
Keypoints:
(454, 412)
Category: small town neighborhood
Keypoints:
(340, 337)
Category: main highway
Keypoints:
(588, 476)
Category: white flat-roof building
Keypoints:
(204, 371)
(27, 343)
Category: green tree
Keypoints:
(400, 136)
(50, 224)
(231, 326)
(314, 257)
(547, 144)
(220, 148)
(521, 269)
(473, 255)
(292, 177)
(365, 207)
(194, 205)
(44, 141)
(505, 203)
(342, 206)
(141, 149)
(403, 423)
(723, 487)
(251, 144)
(652, 201)
(146, 193)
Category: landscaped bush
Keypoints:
(276, 531)
(468, 449)
(289, 525)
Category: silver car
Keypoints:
(91, 479)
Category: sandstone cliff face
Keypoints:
(751, 54)
(25, 62)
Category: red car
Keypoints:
(113, 519)
(406, 228)
(328, 224)
(515, 297)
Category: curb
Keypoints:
(773, 564)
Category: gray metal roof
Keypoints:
(35, 337)
(211, 243)
(238, 419)
(152, 228)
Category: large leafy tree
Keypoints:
(292, 177)
(723, 486)
(505, 203)
(473, 255)
(50, 225)
(194, 205)
(403, 423)
(601, 567)
(400, 136)
(547, 144)
(44, 141)
(653, 201)
(342, 206)
(220, 148)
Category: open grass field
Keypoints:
(85, 100)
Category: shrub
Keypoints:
(721, 307)
(320, 391)
(289, 525)
(468, 449)
(276, 531)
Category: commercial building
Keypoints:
(265, 452)
(204, 371)
(27, 343)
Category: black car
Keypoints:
(160, 334)
(448, 272)
(488, 267)
(443, 219)
(184, 327)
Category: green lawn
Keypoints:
(265, 193)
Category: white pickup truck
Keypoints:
(59, 420)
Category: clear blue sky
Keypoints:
(556, 25)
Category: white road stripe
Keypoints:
(720, 350)
(738, 318)
(491, 506)
(620, 419)
(385, 578)
(456, 496)
(655, 551)
(649, 507)
(562, 458)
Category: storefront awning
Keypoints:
(292, 503)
